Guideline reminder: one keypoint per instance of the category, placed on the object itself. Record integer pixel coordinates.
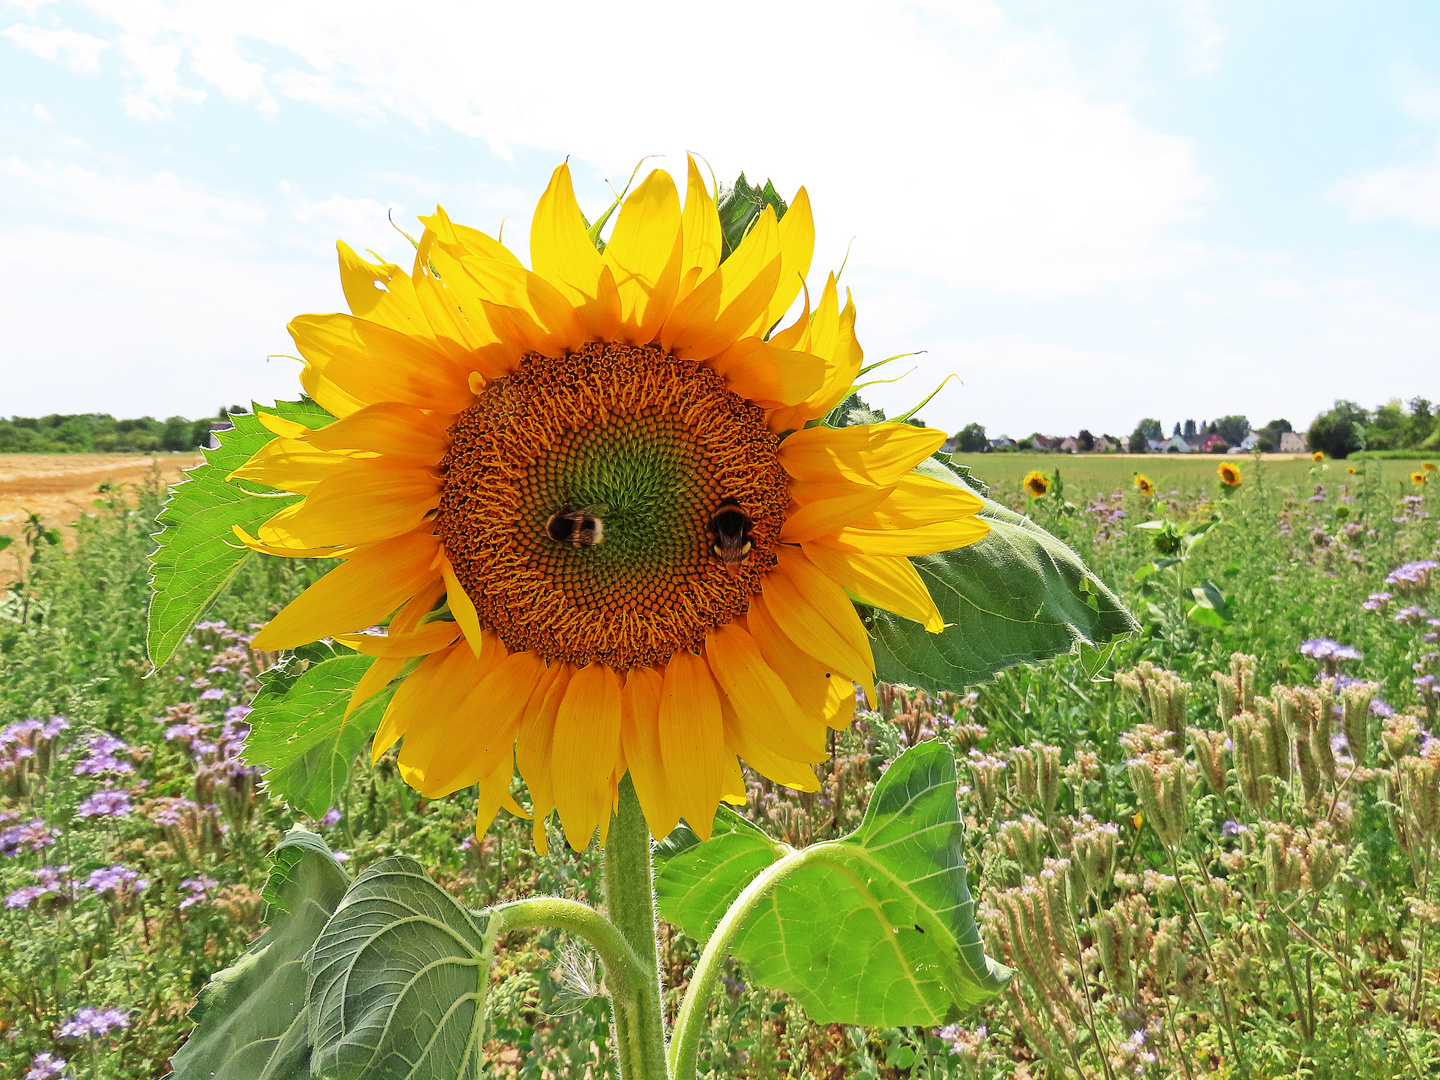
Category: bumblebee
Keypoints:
(729, 534)
(580, 528)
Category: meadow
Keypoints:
(1212, 851)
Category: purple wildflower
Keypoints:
(100, 757)
(1377, 601)
(1412, 576)
(199, 890)
(331, 817)
(213, 694)
(118, 879)
(46, 1066)
(91, 1023)
(47, 881)
(1412, 615)
(34, 835)
(106, 803)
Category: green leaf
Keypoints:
(1017, 596)
(739, 205)
(877, 928)
(6, 541)
(251, 1020)
(298, 728)
(1211, 607)
(198, 554)
(398, 981)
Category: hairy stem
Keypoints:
(630, 898)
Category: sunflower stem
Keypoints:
(630, 899)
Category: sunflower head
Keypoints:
(1229, 474)
(1036, 484)
(584, 499)
(1317, 456)
(1418, 476)
(1428, 466)
(1351, 470)
(1144, 485)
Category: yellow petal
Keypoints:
(453, 750)
(879, 454)
(733, 789)
(493, 792)
(285, 549)
(692, 739)
(760, 697)
(461, 606)
(700, 226)
(525, 303)
(360, 592)
(427, 639)
(293, 465)
(377, 676)
(831, 336)
(278, 425)
(924, 500)
(435, 688)
(816, 614)
(560, 250)
(374, 363)
(873, 536)
(726, 304)
(364, 505)
(809, 680)
(381, 293)
(583, 756)
(640, 741)
(797, 246)
(418, 606)
(395, 431)
(739, 740)
(534, 743)
(768, 376)
(837, 506)
(644, 256)
(883, 581)
(325, 393)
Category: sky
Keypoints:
(1088, 213)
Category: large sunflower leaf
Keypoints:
(197, 553)
(876, 928)
(299, 731)
(1018, 596)
(251, 1021)
(398, 981)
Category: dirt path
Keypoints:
(61, 487)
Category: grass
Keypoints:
(1173, 907)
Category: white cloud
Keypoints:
(42, 113)
(77, 51)
(159, 206)
(362, 223)
(1204, 32)
(1409, 193)
(951, 141)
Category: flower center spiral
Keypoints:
(648, 446)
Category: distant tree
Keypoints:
(1189, 429)
(1232, 429)
(971, 439)
(1176, 433)
(1024, 444)
(1421, 422)
(178, 434)
(1339, 432)
(1086, 440)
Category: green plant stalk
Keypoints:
(630, 899)
(626, 975)
(1226, 1021)
(685, 1040)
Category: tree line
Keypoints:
(101, 433)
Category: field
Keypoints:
(1215, 854)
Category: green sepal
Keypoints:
(398, 981)
(876, 928)
(739, 205)
(251, 1020)
(197, 553)
(299, 731)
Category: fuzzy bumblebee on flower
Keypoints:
(606, 535)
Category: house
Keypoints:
(1292, 442)
(1002, 442)
(1176, 444)
(1156, 446)
(1214, 444)
(1069, 445)
(213, 443)
(1105, 445)
(1247, 444)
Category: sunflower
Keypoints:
(1229, 474)
(1428, 466)
(1036, 484)
(1144, 485)
(586, 499)
(1317, 456)
(1351, 470)
(1418, 476)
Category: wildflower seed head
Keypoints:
(1400, 736)
(1355, 702)
(1209, 756)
